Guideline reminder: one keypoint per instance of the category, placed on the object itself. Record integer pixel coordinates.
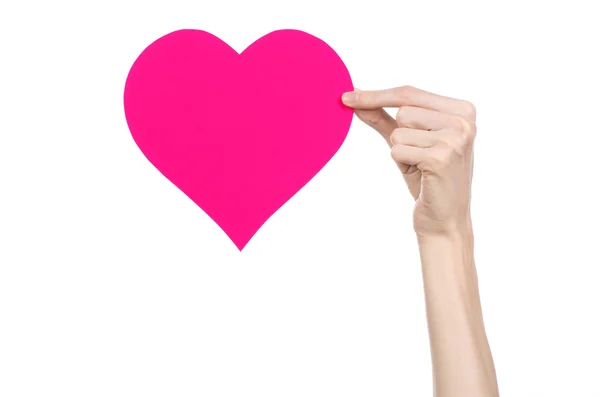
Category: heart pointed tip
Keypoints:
(240, 245)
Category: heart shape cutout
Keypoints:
(239, 134)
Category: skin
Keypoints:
(431, 140)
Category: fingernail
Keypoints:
(349, 97)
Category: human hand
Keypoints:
(431, 140)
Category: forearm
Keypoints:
(461, 357)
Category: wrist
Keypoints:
(452, 249)
(457, 233)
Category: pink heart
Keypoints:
(239, 134)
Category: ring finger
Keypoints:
(413, 137)
(427, 119)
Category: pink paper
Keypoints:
(239, 134)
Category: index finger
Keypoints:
(408, 96)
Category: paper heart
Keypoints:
(239, 134)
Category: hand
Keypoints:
(431, 140)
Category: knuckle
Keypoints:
(458, 146)
(466, 127)
(440, 158)
(469, 110)
(361, 97)
(452, 143)
(367, 98)
(458, 123)
(468, 136)
(364, 98)
(463, 139)
(404, 91)
(471, 129)
(455, 143)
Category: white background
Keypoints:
(113, 283)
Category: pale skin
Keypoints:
(431, 140)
